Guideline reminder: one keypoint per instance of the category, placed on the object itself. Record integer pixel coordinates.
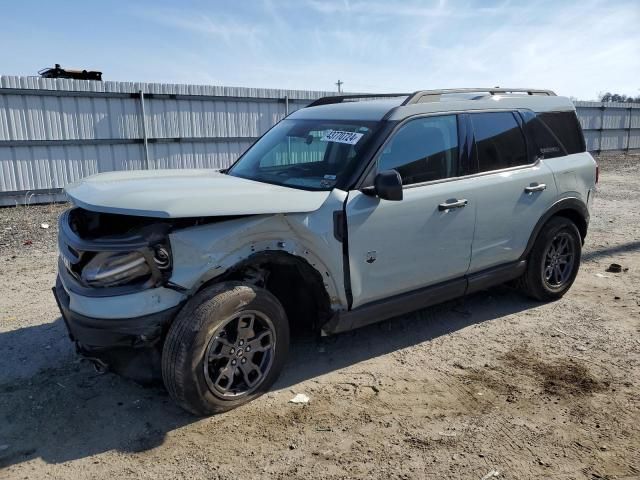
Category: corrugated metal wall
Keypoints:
(55, 131)
(610, 126)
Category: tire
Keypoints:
(204, 329)
(540, 263)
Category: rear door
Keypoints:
(399, 246)
(514, 187)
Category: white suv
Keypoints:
(347, 212)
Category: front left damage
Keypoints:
(123, 279)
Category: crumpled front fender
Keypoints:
(205, 252)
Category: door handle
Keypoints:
(449, 204)
(535, 187)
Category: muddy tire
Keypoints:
(552, 265)
(226, 347)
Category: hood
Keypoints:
(187, 193)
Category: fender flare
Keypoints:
(574, 207)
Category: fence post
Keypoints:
(145, 163)
(286, 105)
(629, 130)
(602, 107)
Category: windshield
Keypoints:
(307, 154)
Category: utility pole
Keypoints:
(339, 84)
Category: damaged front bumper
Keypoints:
(131, 347)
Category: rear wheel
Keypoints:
(554, 261)
(226, 347)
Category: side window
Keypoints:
(423, 150)
(545, 144)
(566, 127)
(499, 141)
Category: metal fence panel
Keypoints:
(56, 131)
(610, 126)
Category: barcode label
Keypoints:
(339, 136)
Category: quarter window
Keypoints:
(423, 150)
(499, 141)
(545, 144)
(566, 127)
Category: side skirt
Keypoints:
(425, 297)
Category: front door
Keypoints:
(399, 246)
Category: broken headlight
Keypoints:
(107, 269)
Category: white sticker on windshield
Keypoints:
(342, 137)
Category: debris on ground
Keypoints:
(491, 474)
(300, 398)
(44, 225)
(614, 268)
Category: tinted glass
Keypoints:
(307, 154)
(566, 127)
(545, 144)
(499, 141)
(423, 150)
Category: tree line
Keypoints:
(615, 97)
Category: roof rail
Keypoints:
(342, 98)
(417, 97)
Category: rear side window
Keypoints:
(499, 139)
(566, 127)
(545, 144)
(423, 150)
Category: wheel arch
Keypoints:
(571, 208)
(298, 285)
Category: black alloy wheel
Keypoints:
(226, 347)
(240, 354)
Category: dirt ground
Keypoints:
(492, 386)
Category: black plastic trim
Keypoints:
(346, 267)
(341, 98)
(424, 297)
(569, 203)
(495, 276)
(394, 306)
(338, 225)
(465, 146)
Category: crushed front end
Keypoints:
(113, 289)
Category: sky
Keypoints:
(579, 49)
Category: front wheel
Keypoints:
(226, 347)
(554, 261)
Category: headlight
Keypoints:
(112, 268)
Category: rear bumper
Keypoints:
(129, 346)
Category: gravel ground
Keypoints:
(24, 229)
(491, 386)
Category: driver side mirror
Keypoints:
(387, 185)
